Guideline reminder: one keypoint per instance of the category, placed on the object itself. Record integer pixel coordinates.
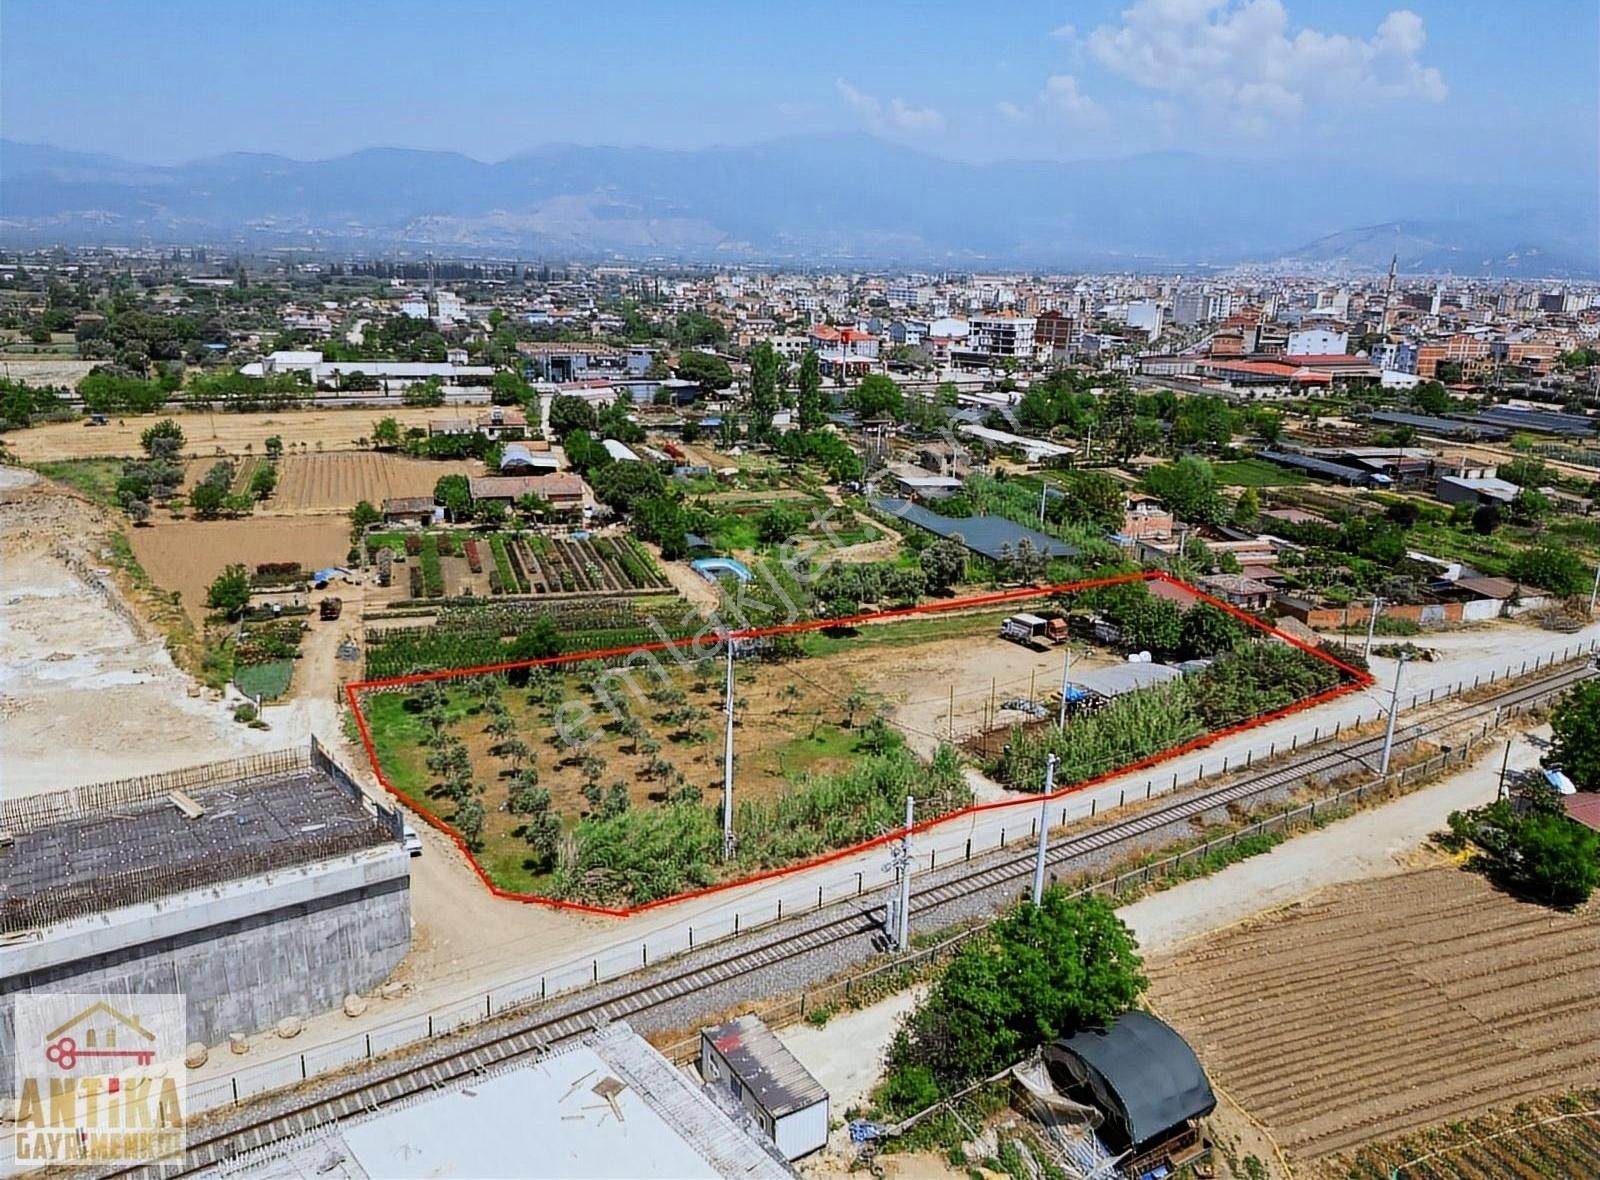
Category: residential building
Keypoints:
(998, 336)
(1316, 342)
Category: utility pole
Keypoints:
(1044, 489)
(1372, 625)
(727, 759)
(1595, 593)
(1394, 709)
(1066, 669)
(1044, 829)
(904, 940)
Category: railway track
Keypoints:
(533, 1031)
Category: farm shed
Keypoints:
(518, 459)
(417, 510)
(745, 1058)
(1147, 1080)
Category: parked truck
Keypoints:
(1034, 630)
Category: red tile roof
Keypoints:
(1583, 808)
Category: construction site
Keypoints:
(264, 889)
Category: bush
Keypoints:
(1534, 850)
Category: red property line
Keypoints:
(353, 692)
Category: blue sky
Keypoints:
(1499, 87)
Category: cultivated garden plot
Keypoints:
(597, 777)
(1378, 1008)
(454, 563)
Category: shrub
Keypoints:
(413, 544)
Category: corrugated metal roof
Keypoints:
(781, 1085)
(986, 535)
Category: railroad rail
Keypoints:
(532, 1031)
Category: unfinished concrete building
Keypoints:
(262, 888)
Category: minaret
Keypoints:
(1388, 292)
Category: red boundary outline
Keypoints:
(1357, 680)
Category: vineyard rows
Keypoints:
(1548, 1140)
(1386, 1006)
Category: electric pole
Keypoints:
(903, 941)
(1394, 709)
(1066, 669)
(727, 760)
(1372, 625)
(1044, 829)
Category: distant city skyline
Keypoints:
(1437, 87)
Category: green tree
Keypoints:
(1207, 631)
(944, 563)
(1534, 848)
(274, 445)
(1247, 508)
(455, 493)
(386, 434)
(1189, 488)
(568, 413)
(208, 500)
(710, 371)
(1039, 973)
(423, 393)
(229, 593)
(468, 818)
(166, 429)
(1430, 397)
(1485, 519)
(362, 516)
(1090, 498)
(262, 482)
(1575, 735)
(507, 388)
(623, 485)
(1551, 567)
(778, 523)
(765, 368)
(878, 396)
(812, 410)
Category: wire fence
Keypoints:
(935, 849)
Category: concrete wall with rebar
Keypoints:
(256, 939)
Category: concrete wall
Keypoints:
(245, 955)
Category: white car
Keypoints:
(410, 841)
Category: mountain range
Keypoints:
(849, 199)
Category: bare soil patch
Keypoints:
(186, 555)
(1379, 1007)
(207, 435)
(332, 483)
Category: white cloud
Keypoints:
(1061, 92)
(1240, 57)
(1012, 111)
(898, 113)
(914, 118)
(862, 103)
(1064, 32)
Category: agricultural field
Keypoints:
(624, 755)
(456, 563)
(628, 766)
(187, 555)
(1380, 1008)
(1256, 473)
(334, 482)
(207, 433)
(1550, 1139)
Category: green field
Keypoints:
(95, 478)
(268, 681)
(1256, 473)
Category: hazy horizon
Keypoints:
(1433, 87)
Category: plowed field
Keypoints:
(334, 482)
(1380, 1007)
